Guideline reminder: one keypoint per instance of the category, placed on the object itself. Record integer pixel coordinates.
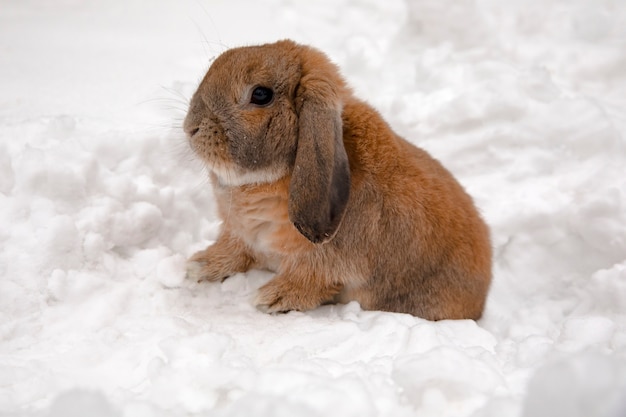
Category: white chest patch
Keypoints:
(232, 177)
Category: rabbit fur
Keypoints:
(315, 186)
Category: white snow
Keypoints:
(101, 202)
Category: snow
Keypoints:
(101, 202)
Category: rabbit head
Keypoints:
(266, 112)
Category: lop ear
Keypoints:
(320, 182)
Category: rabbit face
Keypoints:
(242, 120)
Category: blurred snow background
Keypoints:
(101, 202)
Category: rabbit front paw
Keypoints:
(218, 262)
(202, 271)
(281, 295)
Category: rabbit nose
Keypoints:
(194, 117)
(191, 129)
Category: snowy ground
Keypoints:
(101, 201)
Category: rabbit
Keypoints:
(312, 184)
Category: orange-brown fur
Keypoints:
(409, 238)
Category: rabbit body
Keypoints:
(315, 186)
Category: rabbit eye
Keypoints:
(262, 96)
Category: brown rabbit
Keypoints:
(313, 184)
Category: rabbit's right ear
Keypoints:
(320, 181)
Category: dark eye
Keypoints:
(261, 96)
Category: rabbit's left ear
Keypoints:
(320, 182)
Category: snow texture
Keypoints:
(101, 202)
